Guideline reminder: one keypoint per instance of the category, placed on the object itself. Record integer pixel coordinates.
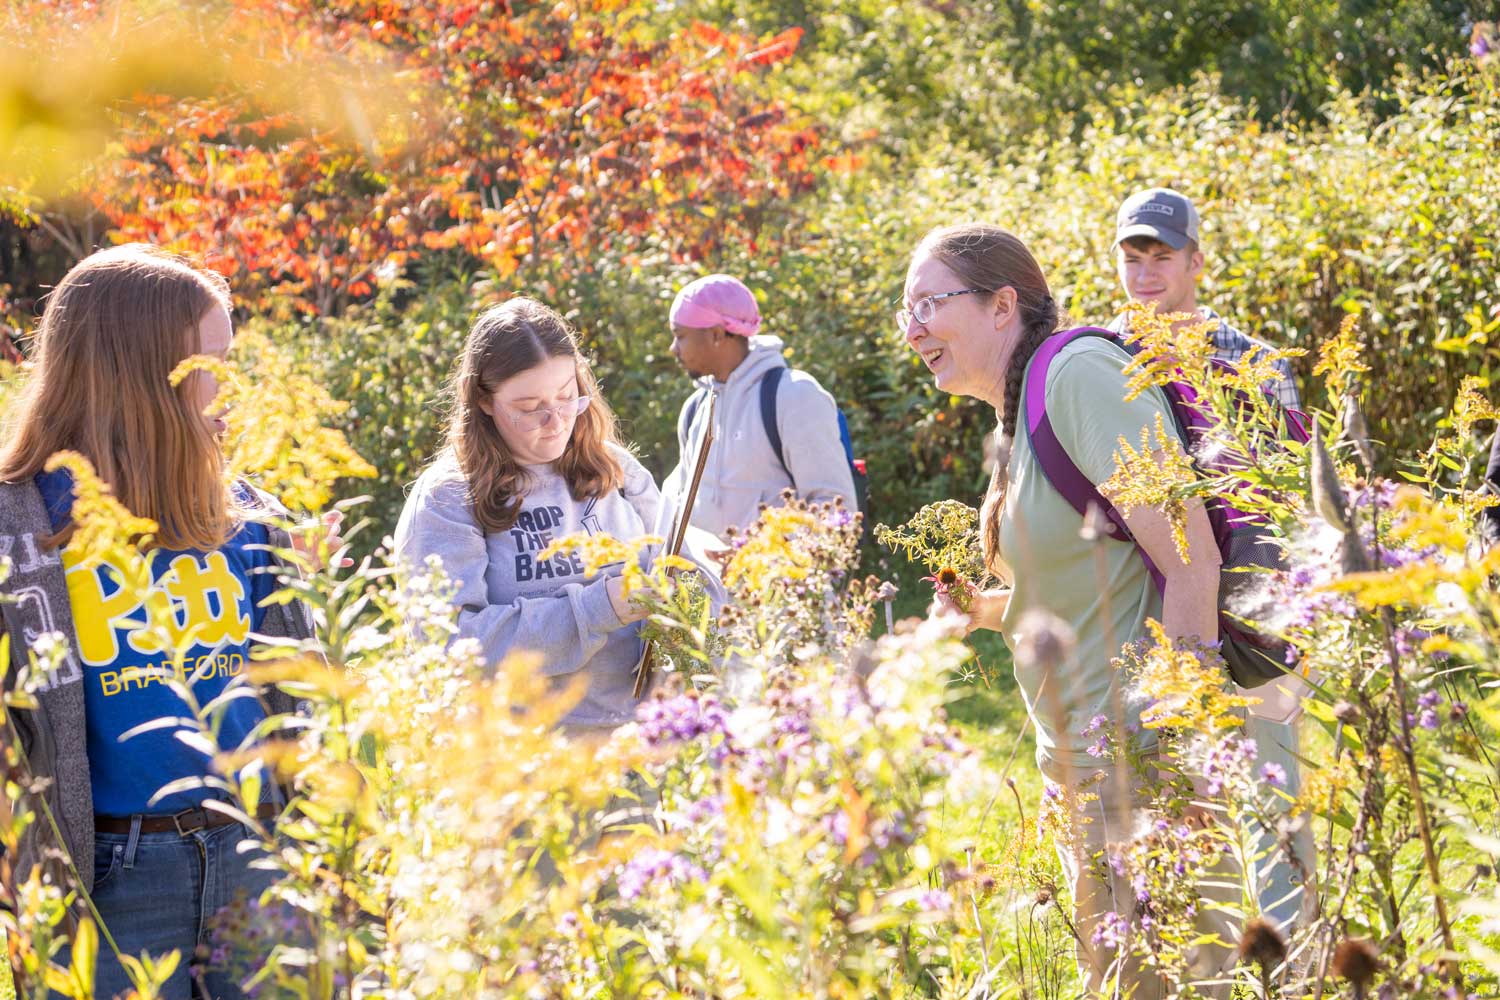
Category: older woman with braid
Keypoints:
(977, 308)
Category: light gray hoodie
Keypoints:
(509, 600)
(743, 470)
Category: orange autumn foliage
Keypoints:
(509, 133)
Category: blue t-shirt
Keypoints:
(215, 597)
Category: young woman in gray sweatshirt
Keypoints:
(533, 456)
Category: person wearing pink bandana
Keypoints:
(716, 338)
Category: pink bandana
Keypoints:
(717, 300)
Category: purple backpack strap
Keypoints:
(1056, 464)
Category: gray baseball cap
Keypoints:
(1160, 214)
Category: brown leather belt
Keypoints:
(183, 823)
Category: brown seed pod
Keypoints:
(1262, 944)
(1356, 960)
(1327, 493)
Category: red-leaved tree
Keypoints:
(511, 132)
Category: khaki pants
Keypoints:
(1097, 889)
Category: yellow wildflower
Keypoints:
(277, 434)
(103, 530)
(1186, 689)
(1323, 787)
(1167, 353)
(1155, 476)
(1435, 529)
(228, 380)
(1472, 406)
(1420, 520)
(1254, 370)
(770, 554)
(1339, 359)
(602, 551)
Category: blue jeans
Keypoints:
(156, 893)
(1279, 883)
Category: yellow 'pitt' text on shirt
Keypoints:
(176, 607)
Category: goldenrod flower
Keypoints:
(277, 435)
(103, 530)
(1339, 359)
(1166, 352)
(1186, 688)
(1159, 475)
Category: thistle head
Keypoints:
(1356, 960)
(1262, 944)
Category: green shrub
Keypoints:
(1395, 219)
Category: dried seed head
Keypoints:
(1327, 492)
(1046, 894)
(997, 447)
(1262, 944)
(1356, 960)
(1046, 641)
(1357, 432)
(1346, 713)
(1095, 524)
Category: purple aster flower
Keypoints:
(656, 865)
(1110, 931)
(680, 719)
(934, 901)
(705, 809)
(1274, 774)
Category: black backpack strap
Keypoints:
(769, 383)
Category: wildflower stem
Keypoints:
(1424, 827)
(14, 737)
(1328, 926)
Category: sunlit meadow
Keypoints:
(817, 799)
(794, 814)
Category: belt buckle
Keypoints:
(177, 819)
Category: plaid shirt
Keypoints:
(1229, 344)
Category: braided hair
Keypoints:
(986, 256)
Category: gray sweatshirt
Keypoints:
(743, 470)
(511, 600)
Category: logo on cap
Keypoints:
(1159, 214)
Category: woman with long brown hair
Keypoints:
(533, 456)
(977, 309)
(106, 727)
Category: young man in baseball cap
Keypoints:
(1159, 261)
(1158, 258)
(774, 426)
